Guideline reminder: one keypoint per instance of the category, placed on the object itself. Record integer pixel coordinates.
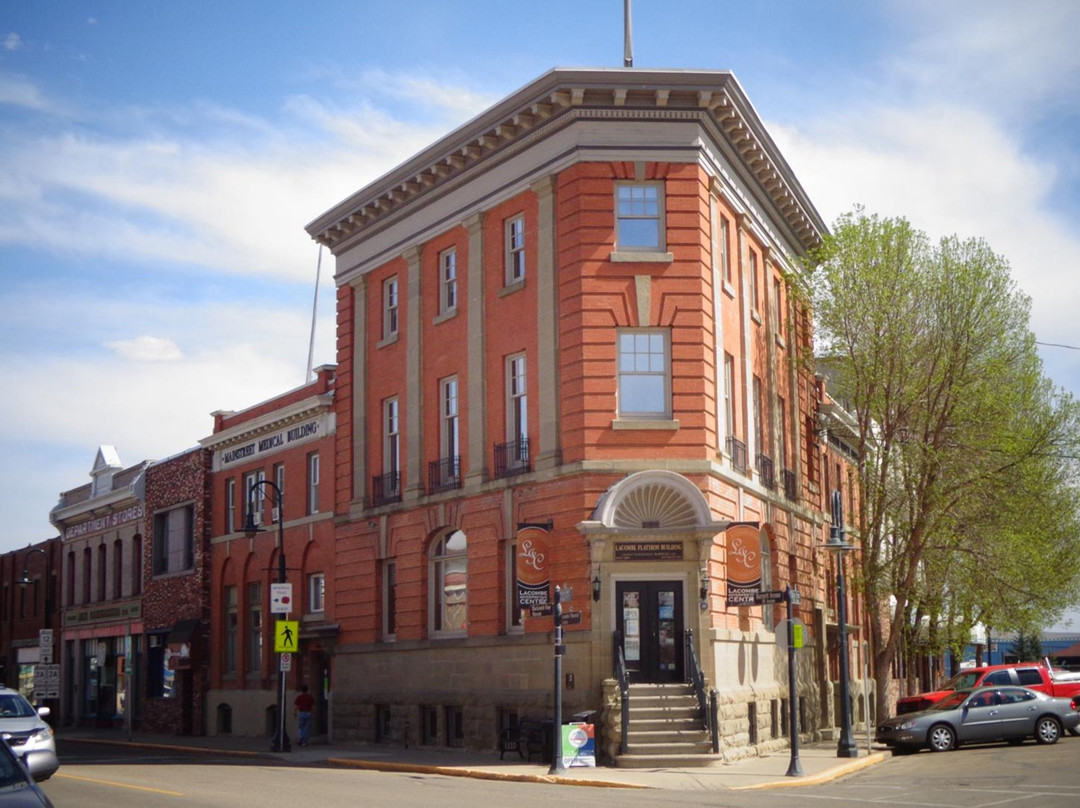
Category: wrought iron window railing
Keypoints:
(385, 488)
(736, 450)
(512, 458)
(444, 474)
(791, 490)
(765, 471)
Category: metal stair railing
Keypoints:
(623, 677)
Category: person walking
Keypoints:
(302, 708)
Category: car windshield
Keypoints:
(12, 705)
(951, 701)
(962, 680)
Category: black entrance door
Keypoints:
(650, 621)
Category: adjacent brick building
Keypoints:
(287, 441)
(573, 348)
(27, 606)
(176, 594)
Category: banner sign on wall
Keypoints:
(743, 563)
(533, 565)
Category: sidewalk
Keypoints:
(819, 762)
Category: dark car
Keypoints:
(17, 787)
(984, 714)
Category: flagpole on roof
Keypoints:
(314, 311)
(628, 44)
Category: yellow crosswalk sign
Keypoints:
(285, 636)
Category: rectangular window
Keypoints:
(729, 394)
(390, 308)
(759, 423)
(781, 405)
(639, 221)
(389, 598)
(254, 495)
(230, 505)
(255, 627)
(391, 437)
(279, 480)
(316, 592)
(313, 482)
(447, 281)
(448, 418)
(174, 540)
(778, 308)
(725, 254)
(644, 380)
(515, 249)
(517, 404)
(136, 565)
(752, 268)
(118, 569)
(232, 628)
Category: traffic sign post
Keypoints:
(791, 597)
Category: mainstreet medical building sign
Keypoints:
(284, 438)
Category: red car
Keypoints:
(1032, 675)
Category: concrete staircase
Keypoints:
(666, 729)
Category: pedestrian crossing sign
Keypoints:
(285, 636)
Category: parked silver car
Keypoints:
(26, 732)
(984, 714)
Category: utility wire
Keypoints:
(1058, 345)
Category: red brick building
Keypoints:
(27, 605)
(575, 328)
(287, 441)
(176, 594)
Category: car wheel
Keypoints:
(941, 738)
(1047, 730)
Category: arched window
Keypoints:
(449, 585)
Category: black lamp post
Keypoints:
(25, 581)
(845, 747)
(280, 742)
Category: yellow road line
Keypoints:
(119, 785)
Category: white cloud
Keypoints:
(147, 349)
(12, 42)
(18, 91)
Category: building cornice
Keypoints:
(270, 422)
(558, 99)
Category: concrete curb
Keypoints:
(479, 774)
(834, 773)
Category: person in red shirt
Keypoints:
(302, 708)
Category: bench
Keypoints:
(530, 738)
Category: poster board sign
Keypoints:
(743, 563)
(533, 570)
(578, 745)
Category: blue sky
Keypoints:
(158, 162)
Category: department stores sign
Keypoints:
(648, 551)
(116, 611)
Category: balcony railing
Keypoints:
(512, 458)
(736, 450)
(765, 471)
(385, 488)
(444, 474)
(791, 490)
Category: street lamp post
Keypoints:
(280, 742)
(845, 747)
(47, 598)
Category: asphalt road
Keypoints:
(1028, 776)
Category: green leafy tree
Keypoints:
(968, 499)
(1028, 647)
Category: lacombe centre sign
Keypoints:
(284, 438)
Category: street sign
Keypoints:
(798, 633)
(45, 646)
(286, 662)
(280, 598)
(46, 681)
(770, 596)
(285, 635)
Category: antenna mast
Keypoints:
(314, 311)
(628, 44)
